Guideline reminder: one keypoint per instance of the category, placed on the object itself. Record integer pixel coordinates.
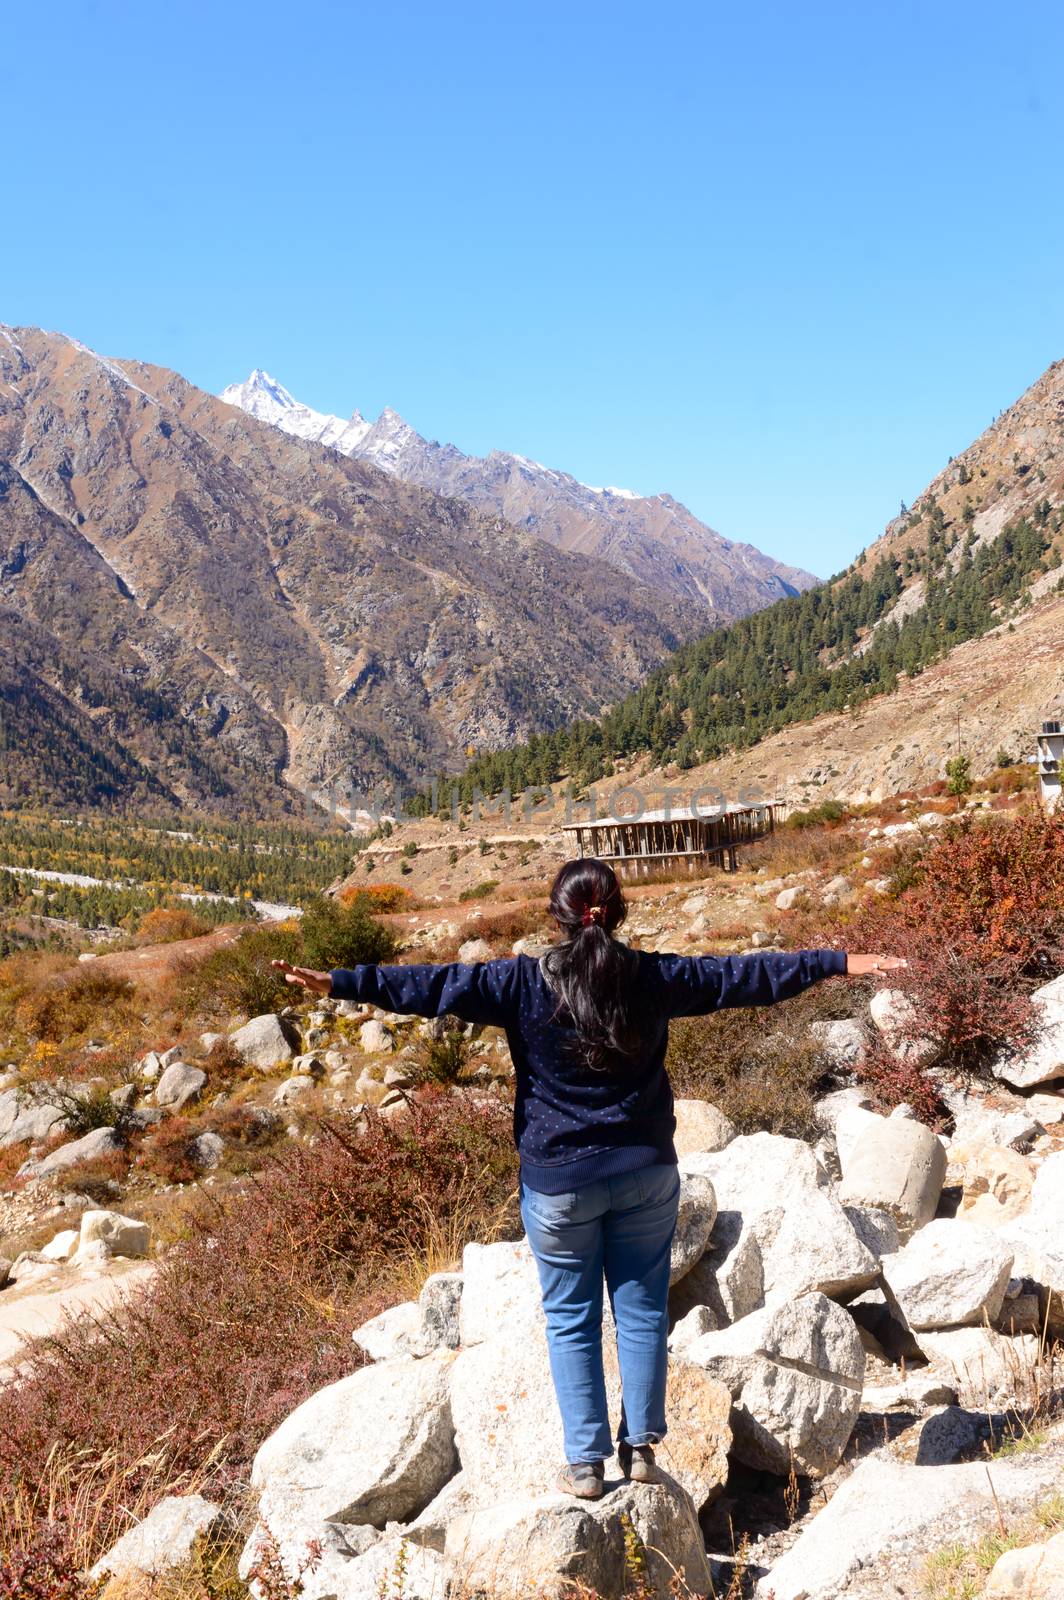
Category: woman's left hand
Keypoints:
(306, 977)
(858, 966)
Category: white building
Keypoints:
(1050, 763)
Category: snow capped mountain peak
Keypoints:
(267, 400)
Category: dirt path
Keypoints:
(41, 1307)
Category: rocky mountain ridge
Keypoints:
(200, 610)
(652, 538)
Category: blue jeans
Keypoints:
(622, 1228)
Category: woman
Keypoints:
(587, 1026)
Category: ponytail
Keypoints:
(592, 973)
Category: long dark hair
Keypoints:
(592, 972)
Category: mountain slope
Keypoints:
(980, 546)
(201, 607)
(654, 539)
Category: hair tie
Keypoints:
(592, 914)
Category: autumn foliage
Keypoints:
(982, 925)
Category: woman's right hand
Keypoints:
(306, 977)
(860, 966)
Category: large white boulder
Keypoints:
(700, 1126)
(895, 1165)
(794, 1372)
(951, 1273)
(178, 1084)
(266, 1042)
(90, 1147)
(550, 1544)
(164, 1538)
(500, 1292)
(729, 1281)
(390, 1333)
(373, 1448)
(770, 1186)
(987, 1369)
(884, 1505)
(1037, 1236)
(996, 1182)
(1043, 1059)
(61, 1246)
(844, 1043)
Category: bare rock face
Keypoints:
(950, 1274)
(373, 1448)
(794, 1372)
(545, 1544)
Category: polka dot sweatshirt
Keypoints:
(572, 1124)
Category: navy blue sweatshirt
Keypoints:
(573, 1124)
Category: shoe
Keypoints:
(585, 1479)
(637, 1463)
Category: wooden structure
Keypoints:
(639, 845)
(1050, 760)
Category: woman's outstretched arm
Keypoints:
(697, 984)
(482, 992)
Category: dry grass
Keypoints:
(95, 1497)
(798, 849)
(763, 1073)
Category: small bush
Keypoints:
(480, 891)
(380, 897)
(100, 1179)
(344, 936)
(959, 775)
(442, 1060)
(763, 1071)
(827, 813)
(84, 1109)
(238, 977)
(164, 924)
(45, 1567)
(166, 1152)
(74, 1006)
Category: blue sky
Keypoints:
(780, 260)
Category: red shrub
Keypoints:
(981, 926)
(254, 1311)
(45, 1569)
